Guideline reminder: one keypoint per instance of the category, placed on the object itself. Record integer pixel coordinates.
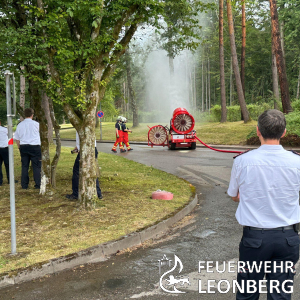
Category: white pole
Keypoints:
(11, 162)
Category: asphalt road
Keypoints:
(209, 235)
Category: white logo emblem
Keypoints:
(171, 280)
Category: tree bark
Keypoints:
(243, 56)
(22, 91)
(134, 108)
(238, 82)
(55, 159)
(45, 107)
(206, 88)
(298, 86)
(202, 86)
(275, 78)
(222, 64)
(231, 83)
(208, 75)
(284, 87)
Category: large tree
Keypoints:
(81, 41)
(284, 86)
(236, 70)
(222, 67)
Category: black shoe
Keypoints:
(129, 149)
(71, 197)
(100, 197)
(37, 187)
(24, 188)
(114, 151)
(122, 150)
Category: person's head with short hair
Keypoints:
(271, 124)
(28, 112)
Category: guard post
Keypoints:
(8, 77)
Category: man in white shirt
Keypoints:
(266, 183)
(27, 137)
(75, 177)
(4, 152)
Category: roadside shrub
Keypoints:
(215, 113)
(234, 112)
(293, 123)
(296, 105)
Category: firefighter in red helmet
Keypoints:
(119, 136)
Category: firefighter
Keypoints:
(125, 134)
(119, 136)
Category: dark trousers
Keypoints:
(4, 158)
(31, 153)
(271, 246)
(75, 177)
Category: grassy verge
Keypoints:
(230, 133)
(48, 227)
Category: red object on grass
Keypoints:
(11, 142)
(162, 195)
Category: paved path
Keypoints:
(210, 233)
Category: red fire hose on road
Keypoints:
(227, 151)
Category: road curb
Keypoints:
(96, 253)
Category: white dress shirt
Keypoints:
(3, 137)
(78, 142)
(268, 181)
(28, 132)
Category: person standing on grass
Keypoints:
(75, 177)
(27, 137)
(266, 183)
(125, 134)
(119, 136)
(4, 152)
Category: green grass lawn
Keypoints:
(230, 133)
(52, 226)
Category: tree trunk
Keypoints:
(243, 56)
(55, 159)
(87, 169)
(275, 78)
(195, 87)
(22, 92)
(131, 90)
(97, 121)
(202, 86)
(45, 107)
(238, 82)
(222, 65)
(298, 86)
(282, 33)
(206, 88)
(39, 112)
(171, 66)
(284, 87)
(231, 83)
(208, 75)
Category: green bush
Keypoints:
(293, 123)
(234, 112)
(296, 105)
